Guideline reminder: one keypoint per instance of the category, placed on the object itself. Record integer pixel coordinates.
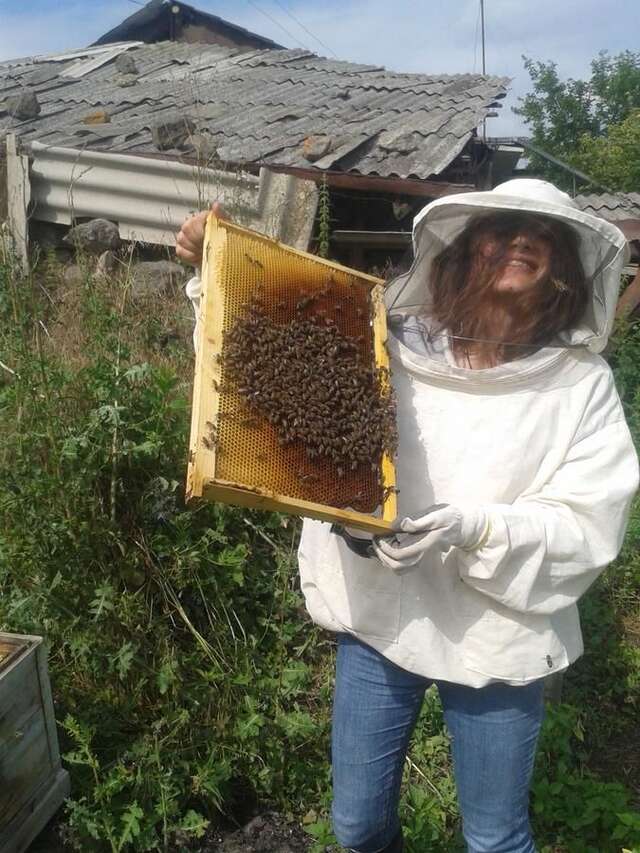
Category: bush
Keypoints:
(181, 658)
(176, 643)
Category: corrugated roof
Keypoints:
(258, 105)
(611, 206)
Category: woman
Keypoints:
(516, 471)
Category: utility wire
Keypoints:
(300, 24)
(278, 24)
(475, 40)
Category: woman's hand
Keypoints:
(441, 527)
(190, 238)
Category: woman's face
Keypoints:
(521, 256)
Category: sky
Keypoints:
(421, 36)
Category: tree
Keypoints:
(579, 121)
(614, 159)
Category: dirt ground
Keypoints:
(267, 833)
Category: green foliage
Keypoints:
(574, 808)
(175, 634)
(187, 680)
(613, 160)
(589, 124)
(429, 808)
(324, 218)
(571, 807)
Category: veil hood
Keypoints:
(602, 246)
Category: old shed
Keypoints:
(164, 20)
(383, 142)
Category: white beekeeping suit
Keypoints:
(537, 448)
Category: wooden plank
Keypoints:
(32, 784)
(19, 697)
(18, 199)
(379, 239)
(34, 815)
(239, 495)
(46, 700)
(206, 399)
(24, 761)
(390, 505)
(10, 650)
(376, 183)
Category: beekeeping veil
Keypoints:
(602, 246)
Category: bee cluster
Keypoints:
(313, 385)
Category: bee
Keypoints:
(254, 261)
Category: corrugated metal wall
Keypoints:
(150, 198)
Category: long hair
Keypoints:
(466, 305)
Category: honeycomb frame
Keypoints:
(233, 458)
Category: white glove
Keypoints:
(193, 289)
(441, 527)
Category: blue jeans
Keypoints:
(493, 729)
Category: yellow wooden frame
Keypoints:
(201, 475)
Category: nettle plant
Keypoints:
(176, 643)
(188, 683)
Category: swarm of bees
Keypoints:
(312, 384)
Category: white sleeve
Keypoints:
(545, 550)
(193, 289)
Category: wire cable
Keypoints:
(302, 26)
(278, 24)
(475, 39)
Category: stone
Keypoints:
(126, 64)
(150, 278)
(203, 146)
(97, 117)
(124, 80)
(73, 275)
(172, 132)
(23, 106)
(95, 237)
(107, 264)
(315, 147)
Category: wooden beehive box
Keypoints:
(245, 464)
(32, 783)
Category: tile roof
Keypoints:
(611, 206)
(256, 106)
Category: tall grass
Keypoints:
(189, 684)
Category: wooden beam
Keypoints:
(378, 239)
(375, 183)
(630, 299)
(18, 199)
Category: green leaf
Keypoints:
(130, 825)
(194, 823)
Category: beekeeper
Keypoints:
(516, 471)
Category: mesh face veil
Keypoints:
(601, 247)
